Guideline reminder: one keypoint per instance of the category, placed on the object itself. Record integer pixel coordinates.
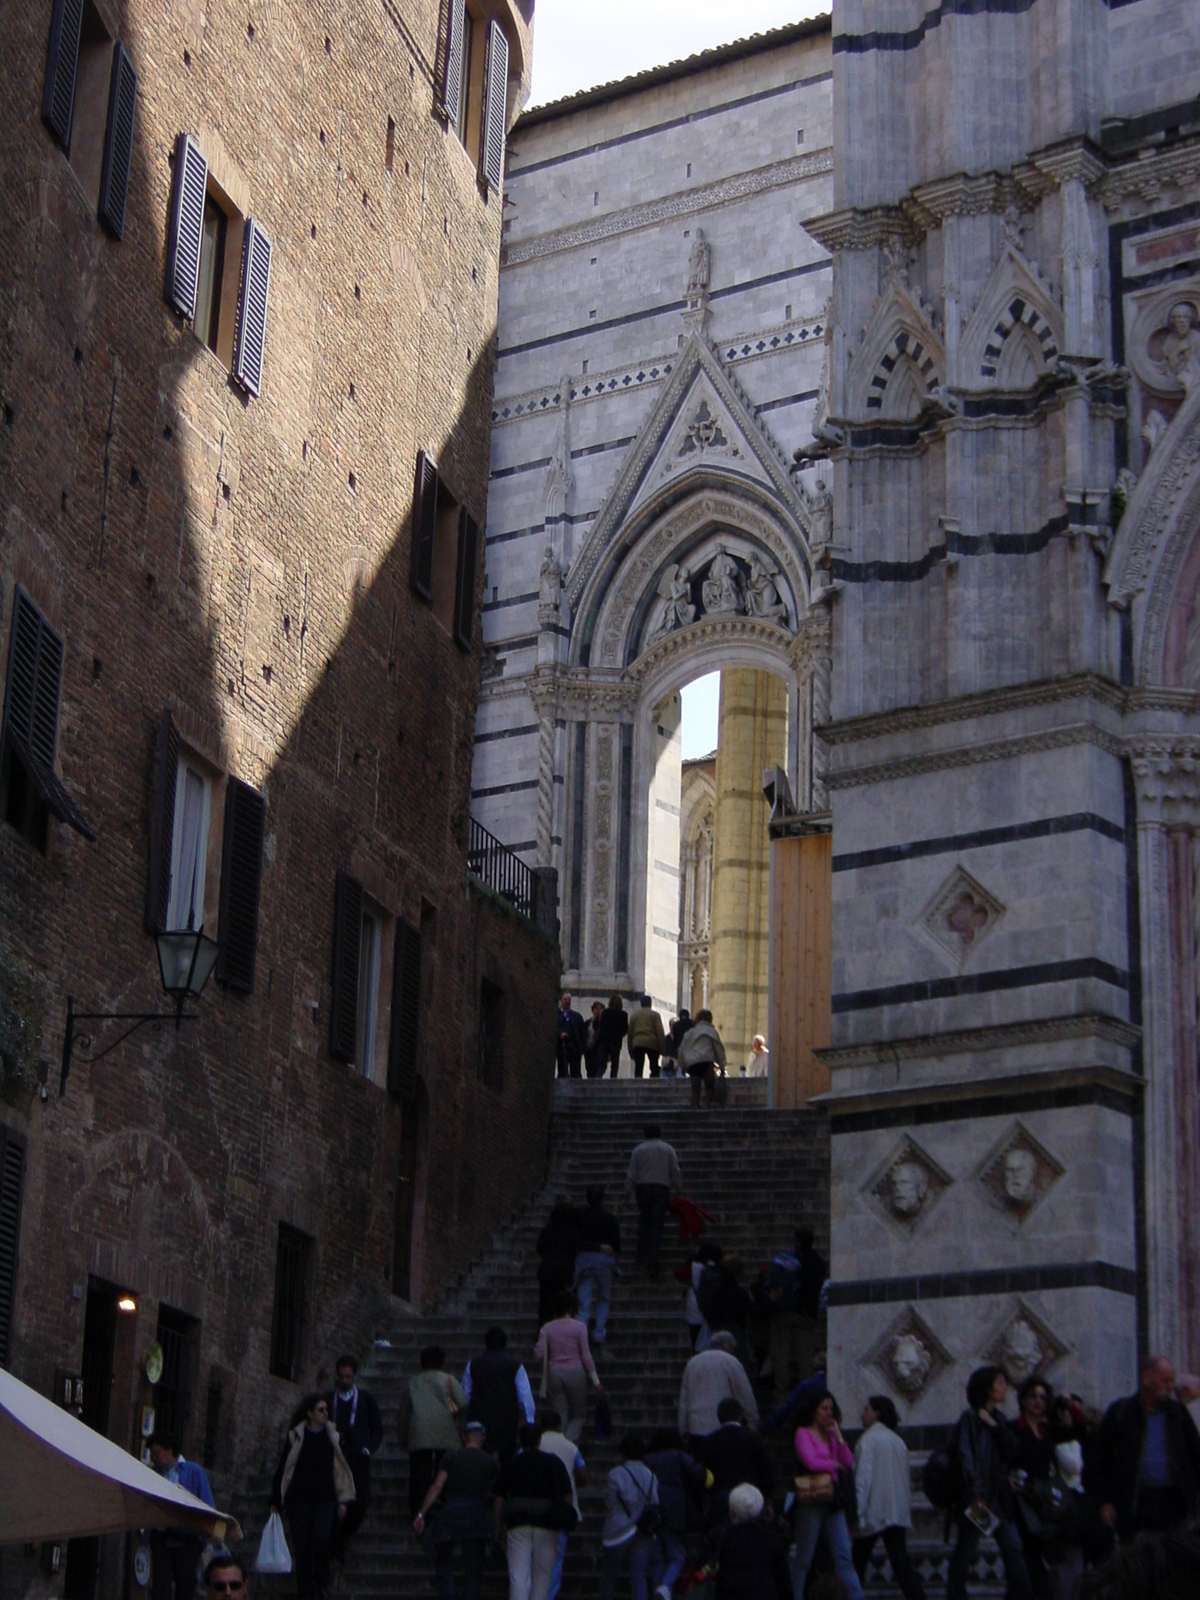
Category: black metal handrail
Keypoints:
(496, 866)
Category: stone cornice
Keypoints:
(990, 702)
(581, 693)
(706, 197)
(685, 640)
(974, 754)
(933, 1092)
(973, 1041)
(1142, 179)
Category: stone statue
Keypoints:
(1153, 429)
(1181, 347)
(819, 502)
(762, 595)
(1020, 1178)
(911, 1363)
(699, 263)
(910, 1186)
(550, 585)
(1023, 1353)
(722, 590)
(676, 609)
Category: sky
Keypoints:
(577, 46)
(701, 701)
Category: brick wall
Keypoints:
(245, 563)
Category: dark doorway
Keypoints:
(179, 1337)
(406, 1194)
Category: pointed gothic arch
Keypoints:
(901, 358)
(1015, 333)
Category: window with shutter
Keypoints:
(12, 1172)
(186, 231)
(241, 879)
(491, 160)
(162, 827)
(62, 64)
(189, 847)
(347, 941)
(118, 143)
(452, 74)
(464, 593)
(252, 308)
(30, 789)
(406, 1012)
(424, 526)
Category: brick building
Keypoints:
(248, 277)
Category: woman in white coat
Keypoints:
(881, 1476)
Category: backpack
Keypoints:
(649, 1522)
(942, 1481)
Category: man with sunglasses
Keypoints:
(224, 1579)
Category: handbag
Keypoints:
(814, 1488)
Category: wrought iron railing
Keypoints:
(496, 866)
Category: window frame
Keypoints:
(189, 764)
(366, 1030)
(289, 1322)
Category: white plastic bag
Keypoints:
(273, 1553)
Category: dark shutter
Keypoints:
(452, 84)
(62, 64)
(464, 583)
(35, 660)
(495, 108)
(424, 526)
(252, 308)
(241, 876)
(162, 825)
(347, 935)
(118, 142)
(187, 225)
(406, 1012)
(12, 1171)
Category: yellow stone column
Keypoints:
(753, 736)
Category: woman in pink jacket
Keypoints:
(820, 1448)
(563, 1346)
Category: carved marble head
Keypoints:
(1020, 1175)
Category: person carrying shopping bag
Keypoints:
(314, 1485)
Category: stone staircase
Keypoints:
(758, 1172)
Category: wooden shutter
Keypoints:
(347, 935)
(162, 825)
(187, 225)
(62, 65)
(35, 659)
(464, 583)
(424, 526)
(241, 878)
(452, 84)
(118, 142)
(406, 1012)
(495, 108)
(12, 1172)
(252, 308)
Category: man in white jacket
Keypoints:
(881, 1476)
(714, 1375)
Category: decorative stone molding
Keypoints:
(909, 1355)
(851, 777)
(976, 1041)
(1150, 178)
(1025, 1346)
(575, 694)
(1164, 341)
(710, 630)
(1018, 1174)
(988, 702)
(899, 344)
(778, 175)
(1166, 774)
(907, 1186)
(960, 917)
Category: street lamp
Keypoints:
(186, 959)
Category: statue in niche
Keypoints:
(761, 593)
(1153, 429)
(722, 590)
(1023, 1353)
(550, 582)
(819, 503)
(1181, 346)
(676, 609)
(911, 1363)
(699, 266)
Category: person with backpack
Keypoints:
(791, 1290)
(984, 1452)
(884, 1494)
(680, 1478)
(700, 1053)
(630, 1537)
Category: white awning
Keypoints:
(61, 1480)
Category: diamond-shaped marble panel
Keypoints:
(1019, 1173)
(909, 1355)
(907, 1186)
(961, 916)
(1025, 1346)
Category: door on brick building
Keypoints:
(109, 1339)
(410, 1199)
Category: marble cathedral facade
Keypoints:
(948, 492)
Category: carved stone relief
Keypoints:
(732, 583)
(909, 1355)
(961, 916)
(1019, 1173)
(907, 1186)
(1164, 342)
(1025, 1346)
(705, 434)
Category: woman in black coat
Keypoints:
(614, 1025)
(314, 1485)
